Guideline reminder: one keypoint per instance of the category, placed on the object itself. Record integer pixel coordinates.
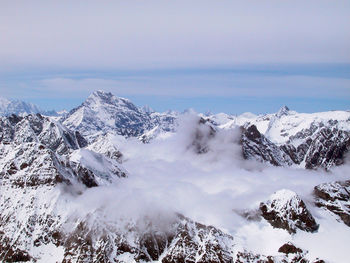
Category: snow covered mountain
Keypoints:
(290, 138)
(46, 170)
(285, 138)
(287, 126)
(42, 164)
(111, 182)
(8, 107)
(323, 144)
(103, 113)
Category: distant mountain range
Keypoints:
(45, 162)
(285, 138)
(18, 107)
(8, 107)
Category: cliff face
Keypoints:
(322, 149)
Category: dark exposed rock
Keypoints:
(292, 255)
(287, 211)
(249, 257)
(244, 257)
(23, 166)
(36, 128)
(283, 111)
(86, 176)
(80, 140)
(321, 147)
(294, 153)
(334, 197)
(327, 148)
(155, 243)
(289, 248)
(256, 146)
(10, 254)
(14, 119)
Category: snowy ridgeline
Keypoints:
(111, 182)
(8, 107)
(285, 138)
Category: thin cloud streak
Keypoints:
(197, 86)
(158, 34)
(44, 45)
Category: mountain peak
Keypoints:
(283, 111)
(105, 97)
(102, 112)
(101, 93)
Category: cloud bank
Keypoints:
(168, 176)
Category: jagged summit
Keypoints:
(284, 110)
(102, 112)
(101, 92)
(100, 97)
(106, 95)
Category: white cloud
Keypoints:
(197, 85)
(167, 176)
(153, 34)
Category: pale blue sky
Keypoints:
(255, 88)
(231, 56)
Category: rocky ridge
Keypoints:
(285, 138)
(335, 198)
(286, 210)
(45, 165)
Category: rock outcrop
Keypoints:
(286, 210)
(334, 197)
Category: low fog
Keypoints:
(168, 176)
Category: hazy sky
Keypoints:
(229, 56)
